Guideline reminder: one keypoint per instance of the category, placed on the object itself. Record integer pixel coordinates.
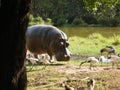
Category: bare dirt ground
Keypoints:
(53, 76)
(73, 69)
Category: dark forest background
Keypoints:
(75, 13)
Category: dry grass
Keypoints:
(53, 76)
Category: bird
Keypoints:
(109, 49)
(91, 83)
(91, 60)
(104, 59)
(115, 59)
(44, 58)
(68, 87)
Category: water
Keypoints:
(86, 31)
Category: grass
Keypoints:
(92, 44)
(54, 75)
(52, 79)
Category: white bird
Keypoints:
(45, 58)
(104, 59)
(32, 60)
(115, 59)
(91, 60)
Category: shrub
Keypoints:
(61, 21)
(107, 21)
(115, 22)
(38, 20)
(95, 36)
(49, 21)
(103, 20)
(78, 21)
(116, 40)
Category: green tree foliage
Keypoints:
(94, 4)
(38, 20)
(78, 12)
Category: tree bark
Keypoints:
(13, 23)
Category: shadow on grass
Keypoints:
(41, 68)
(57, 64)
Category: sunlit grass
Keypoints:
(92, 44)
(116, 40)
(95, 36)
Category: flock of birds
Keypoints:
(44, 58)
(111, 57)
(41, 58)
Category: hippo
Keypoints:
(48, 39)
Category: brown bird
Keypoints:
(68, 87)
(109, 49)
(91, 84)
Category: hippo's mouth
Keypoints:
(62, 57)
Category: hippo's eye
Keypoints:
(61, 44)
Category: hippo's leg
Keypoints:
(51, 59)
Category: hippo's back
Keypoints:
(38, 35)
(40, 30)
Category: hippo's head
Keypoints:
(60, 48)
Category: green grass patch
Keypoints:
(92, 44)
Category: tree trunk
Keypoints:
(13, 24)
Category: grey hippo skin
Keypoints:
(48, 39)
